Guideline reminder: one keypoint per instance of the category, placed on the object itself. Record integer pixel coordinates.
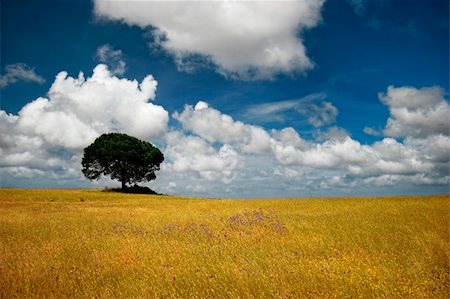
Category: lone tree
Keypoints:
(123, 157)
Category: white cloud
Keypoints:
(288, 172)
(387, 156)
(312, 108)
(243, 39)
(193, 154)
(332, 133)
(372, 131)
(334, 150)
(49, 133)
(214, 126)
(290, 138)
(393, 157)
(21, 172)
(416, 112)
(113, 58)
(235, 158)
(79, 110)
(331, 154)
(19, 72)
(434, 148)
(20, 148)
(272, 111)
(319, 115)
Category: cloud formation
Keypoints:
(49, 133)
(19, 72)
(192, 154)
(46, 138)
(416, 112)
(246, 40)
(312, 108)
(213, 126)
(113, 58)
(372, 131)
(334, 159)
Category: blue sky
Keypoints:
(316, 72)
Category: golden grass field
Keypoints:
(86, 243)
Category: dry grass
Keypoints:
(79, 243)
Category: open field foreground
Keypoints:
(80, 243)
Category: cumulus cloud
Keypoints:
(312, 108)
(78, 110)
(49, 133)
(46, 137)
(386, 157)
(113, 58)
(321, 114)
(240, 38)
(332, 133)
(418, 117)
(330, 154)
(19, 72)
(289, 138)
(194, 154)
(411, 161)
(214, 126)
(287, 172)
(416, 112)
(421, 158)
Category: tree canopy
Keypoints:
(123, 157)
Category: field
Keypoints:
(85, 243)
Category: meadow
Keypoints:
(87, 243)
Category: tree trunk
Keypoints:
(123, 179)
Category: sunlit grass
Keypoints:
(80, 243)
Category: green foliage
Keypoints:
(123, 157)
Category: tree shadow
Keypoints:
(133, 190)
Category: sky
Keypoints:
(244, 98)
